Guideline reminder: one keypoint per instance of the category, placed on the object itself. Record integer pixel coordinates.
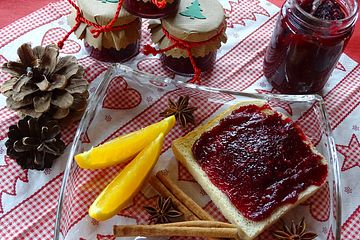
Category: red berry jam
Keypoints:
(307, 43)
(113, 55)
(149, 10)
(121, 55)
(183, 66)
(259, 161)
(329, 10)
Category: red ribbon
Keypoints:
(159, 3)
(185, 45)
(98, 29)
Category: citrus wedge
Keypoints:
(124, 147)
(127, 183)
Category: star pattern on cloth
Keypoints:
(330, 235)
(351, 153)
(340, 67)
(11, 173)
(244, 10)
(350, 230)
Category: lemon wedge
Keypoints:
(124, 147)
(127, 183)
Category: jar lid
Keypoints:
(195, 21)
(101, 12)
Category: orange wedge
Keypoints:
(127, 183)
(124, 147)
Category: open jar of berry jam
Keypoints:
(309, 37)
(151, 8)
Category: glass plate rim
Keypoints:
(122, 69)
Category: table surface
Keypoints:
(22, 192)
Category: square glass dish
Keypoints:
(127, 100)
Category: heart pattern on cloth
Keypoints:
(120, 96)
(330, 235)
(351, 228)
(320, 204)
(54, 35)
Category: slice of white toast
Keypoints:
(247, 228)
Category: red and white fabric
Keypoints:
(28, 199)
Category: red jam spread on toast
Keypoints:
(259, 161)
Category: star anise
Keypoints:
(181, 110)
(164, 212)
(294, 232)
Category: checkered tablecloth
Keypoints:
(28, 198)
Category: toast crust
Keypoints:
(247, 229)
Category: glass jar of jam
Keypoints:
(121, 53)
(118, 45)
(183, 66)
(148, 9)
(195, 33)
(309, 37)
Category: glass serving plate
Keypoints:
(127, 100)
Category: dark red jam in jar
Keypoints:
(259, 161)
(123, 54)
(183, 65)
(307, 42)
(113, 55)
(147, 9)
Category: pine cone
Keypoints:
(34, 142)
(42, 82)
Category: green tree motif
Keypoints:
(193, 11)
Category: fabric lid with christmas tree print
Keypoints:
(195, 21)
(101, 12)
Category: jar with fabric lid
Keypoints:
(152, 8)
(116, 43)
(307, 42)
(189, 40)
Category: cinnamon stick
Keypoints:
(184, 198)
(199, 223)
(161, 231)
(160, 187)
